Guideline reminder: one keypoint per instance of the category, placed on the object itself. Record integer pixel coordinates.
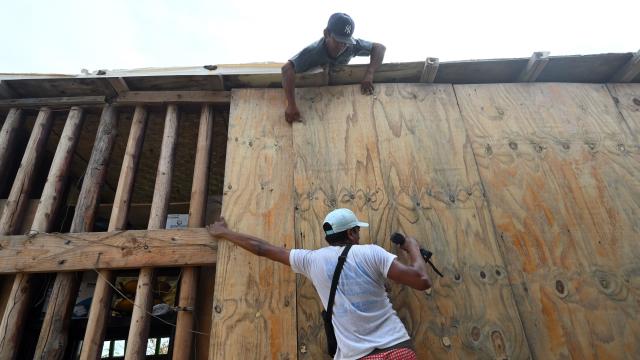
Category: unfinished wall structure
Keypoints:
(522, 176)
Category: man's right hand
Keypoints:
(292, 114)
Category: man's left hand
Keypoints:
(366, 86)
(218, 228)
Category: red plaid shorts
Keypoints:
(395, 354)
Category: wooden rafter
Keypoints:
(430, 70)
(629, 70)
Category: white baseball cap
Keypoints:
(341, 220)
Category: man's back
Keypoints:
(363, 317)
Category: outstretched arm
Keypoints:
(377, 55)
(292, 113)
(253, 244)
(414, 274)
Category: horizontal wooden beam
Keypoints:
(54, 101)
(629, 70)
(534, 67)
(430, 70)
(6, 91)
(150, 97)
(107, 250)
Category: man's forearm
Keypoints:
(377, 56)
(289, 83)
(253, 244)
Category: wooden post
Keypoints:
(7, 139)
(534, 67)
(430, 70)
(139, 329)
(19, 195)
(14, 316)
(197, 209)
(53, 338)
(629, 70)
(96, 324)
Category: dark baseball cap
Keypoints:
(341, 26)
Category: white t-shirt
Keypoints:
(363, 317)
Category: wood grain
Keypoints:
(561, 170)
(8, 137)
(400, 160)
(254, 298)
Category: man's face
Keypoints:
(334, 47)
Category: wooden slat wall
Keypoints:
(562, 173)
(254, 298)
(380, 156)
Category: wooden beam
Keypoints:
(54, 101)
(54, 333)
(101, 302)
(119, 85)
(151, 97)
(139, 330)
(19, 194)
(15, 315)
(8, 136)
(197, 209)
(128, 249)
(534, 67)
(629, 70)
(430, 70)
(6, 91)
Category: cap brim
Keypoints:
(344, 39)
(362, 224)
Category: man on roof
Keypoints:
(337, 46)
(362, 317)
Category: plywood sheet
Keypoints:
(562, 173)
(254, 298)
(400, 160)
(627, 98)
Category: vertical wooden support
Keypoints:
(14, 316)
(430, 70)
(7, 138)
(19, 195)
(197, 210)
(96, 324)
(139, 329)
(53, 338)
(534, 67)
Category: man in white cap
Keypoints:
(365, 324)
(336, 47)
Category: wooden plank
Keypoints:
(430, 70)
(119, 85)
(254, 298)
(151, 97)
(197, 209)
(19, 194)
(628, 71)
(54, 333)
(6, 92)
(8, 136)
(139, 330)
(534, 67)
(565, 198)
(401, 161)
(53, 101)
(15, 314)
(627, 99)
(127, 249)
(101, 302)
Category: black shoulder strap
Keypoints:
(334, 282)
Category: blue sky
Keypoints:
(69, 35)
